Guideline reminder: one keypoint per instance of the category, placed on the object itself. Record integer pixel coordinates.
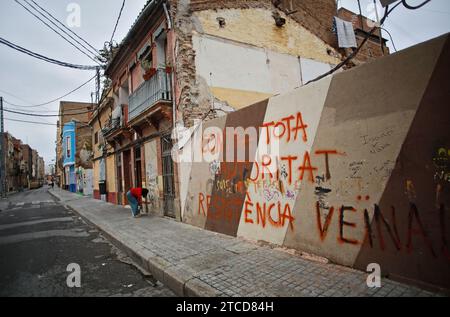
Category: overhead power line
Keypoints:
(47, 115)
(57, 32)
(31, 122)
(411, 7)
(33, 112)
(56, 99)
(358, 49)
(117, 22)
(390, 36)
(14, 96)
(63, 25)
(44, 58)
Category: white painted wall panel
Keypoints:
(226, 64)
(284, 72)
(311, 69)
(233, 66)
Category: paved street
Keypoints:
(195, 262)
(39, 238)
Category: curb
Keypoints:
(178, 280)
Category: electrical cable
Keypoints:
(67, 40)
(45, 58)
(390, 36)
(410, 7)
(37, 17)
(111, 45)
(87, 51)
(117, 22)
(31, 122)
(358, 49)
(63, 25)
(57, 99)
(14, 96)
(31, 111)
(46, 115)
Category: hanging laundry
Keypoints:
(345, 33)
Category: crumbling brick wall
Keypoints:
(199, 5)
(185, 63)
(316, 16)
(373, 48)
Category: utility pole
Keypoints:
(97, 86)
(2, 150)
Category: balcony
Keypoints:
(156, 89)
(111, 126)
(116, 127)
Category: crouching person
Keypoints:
(134, 197)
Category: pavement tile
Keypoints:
(196, 262)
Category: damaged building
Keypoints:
(183, 61)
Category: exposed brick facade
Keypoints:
(316, 16)
(77, 111)
(309, 25)
(373, 48)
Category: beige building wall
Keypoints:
(68, 111)
(111, 173)
(257, 27)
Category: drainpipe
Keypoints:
(169, 20)
(172, 76)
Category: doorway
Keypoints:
(138, 167)
(119, 179)
(168, 176)
(127, 177)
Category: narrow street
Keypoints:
(39, 238)
(224, 149)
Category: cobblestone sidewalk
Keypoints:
(196, 262)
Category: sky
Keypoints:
(27, 81)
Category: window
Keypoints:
(147, 61)
(96, 138)
(68, 146)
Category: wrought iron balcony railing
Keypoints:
(115, 123)
(157, 88)
(112, 126)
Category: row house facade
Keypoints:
(104, 159)
(27, 163)
(24, 167)
(186, 61)
(37, 170)
(133, 126)
(73, 168)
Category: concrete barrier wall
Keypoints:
(361, 175)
